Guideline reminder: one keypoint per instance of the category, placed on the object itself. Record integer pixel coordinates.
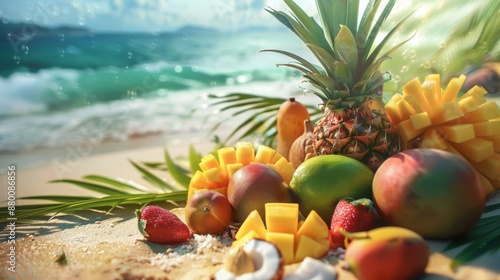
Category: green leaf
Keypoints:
(153, 179)
(125, 187)
(376, 28)
(177, 173)
(56, 198)
(90, 186)
(194, 159)
(301, 60)
(324, 58)
(346, 46)
(352, 16)
(325, 9)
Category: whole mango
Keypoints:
(432, 192)
(387, 253)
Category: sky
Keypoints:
(145, 15)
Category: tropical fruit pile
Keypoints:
(428, 116)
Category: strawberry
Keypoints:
(161, 226)
(351, 216)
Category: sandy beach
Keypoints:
(99, 246)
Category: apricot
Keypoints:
(254, 185)
(208, 212)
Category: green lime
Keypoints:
(320, 182)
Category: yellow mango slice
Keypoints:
(284, 242)
(309, 247)
(284, 168)
(476, 149)
(476, 92)
(414, 88)
(490, 167)
(448, 111)
(435, 81)
(432, 139)
(314, 227)
(231, 168)
(282, 217)
(277, 156)
(216, 176)
(495, 140)
(406, 130)
(420, 120)
(227, 155)
(252, 223)
(490, 128)
(264, 154)
(452, 89)
(391, 109)
(457, 133)
(244, 152)
(484, 113)
(417, 106)
(208, 162)
(468, 104)
(244, 239)
(404, 109)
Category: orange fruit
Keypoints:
(320, 182)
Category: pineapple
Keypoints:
(348, 82)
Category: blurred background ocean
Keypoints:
(134, 68)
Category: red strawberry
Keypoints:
(351, 216)
(161, 226)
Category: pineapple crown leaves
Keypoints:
(349, 59)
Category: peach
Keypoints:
(208, 212)
(254, 185)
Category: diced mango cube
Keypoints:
(233, 167)
(495, 140)
(490, 128)
(275, 158)
(227, 155)
(452, 89)
(282, 217)
(404, 109)
(406, 130)
(208, 162)
(244, 239)
(420, 120)
(391, 109)
(428, 90)
(477, 93)
(432, 139)
(476, 149)
(457, 133)
(490, 167)
(252, 223)
(284, 168)
(264, 154)
(285, 243)
(414, 88)
(412, 100)
(434, 81)
(314, 227)
(245, 152)
(468, 104)
(216, 176)
(484, 112)
(309, 247)
(448, 111)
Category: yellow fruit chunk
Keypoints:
(495, 140)
(416, 104)
(216, 176)
(404, 109)
(264, 154)
(468, 104)
(247, 237)
(314, 227)
(284, 168)
(484, 112)
(414, 88)
(308, 247)
(233, 167)
(452, 89)
(476, 149)
(208, 162)
(432, 91)
(432, 139)
(477, 93)
(284, 242)
(457, 133)
(407, 131)
(227, 155)
(490, 128)
(277, 156)
(252, 223)
(420, 120)
(244, 152)
(391, 109)
(448, 111)
(489, 167)
(282, 217)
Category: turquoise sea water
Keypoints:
(54, 85)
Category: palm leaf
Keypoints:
(103, 189)
(194, 159)
(155, 180)
(117, 183)
(177, 173)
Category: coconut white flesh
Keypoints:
(266, 259)
(313, 269)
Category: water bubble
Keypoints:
(427, 64)
(442, 44)
(178, 69)
(61, 37)
(130, 55)
(230, 81)
(404, 68)
(397, 78)
(17, 59)
(27, 17)
(25, 48)
(81, 21)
